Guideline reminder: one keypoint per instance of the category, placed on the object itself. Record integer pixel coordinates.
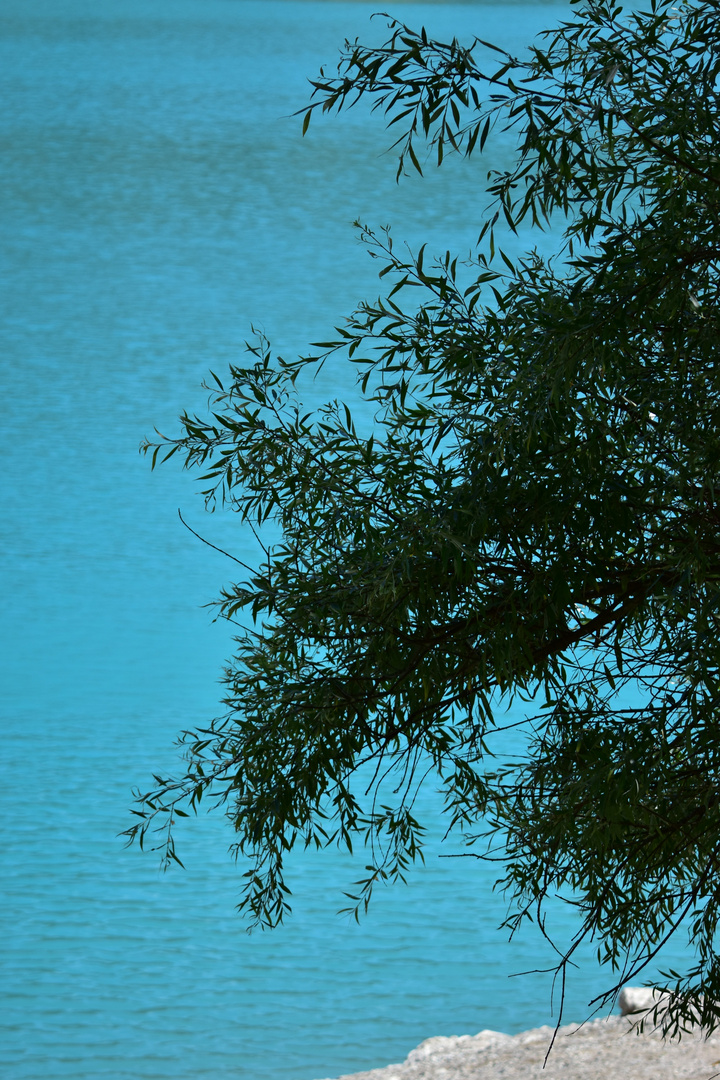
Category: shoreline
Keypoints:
(607, 1049)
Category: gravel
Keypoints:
(610, 1049)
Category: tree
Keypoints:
(535, 515)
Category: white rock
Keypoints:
(639, 999)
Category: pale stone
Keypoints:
(639, 999)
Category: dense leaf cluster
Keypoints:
(535, 514)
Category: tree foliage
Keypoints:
(535, 515)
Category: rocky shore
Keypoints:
(609, 1049)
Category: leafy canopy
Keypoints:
(535, 514)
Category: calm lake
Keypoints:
(158, 202)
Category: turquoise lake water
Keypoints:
(158, 200)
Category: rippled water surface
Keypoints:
(158, 201)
